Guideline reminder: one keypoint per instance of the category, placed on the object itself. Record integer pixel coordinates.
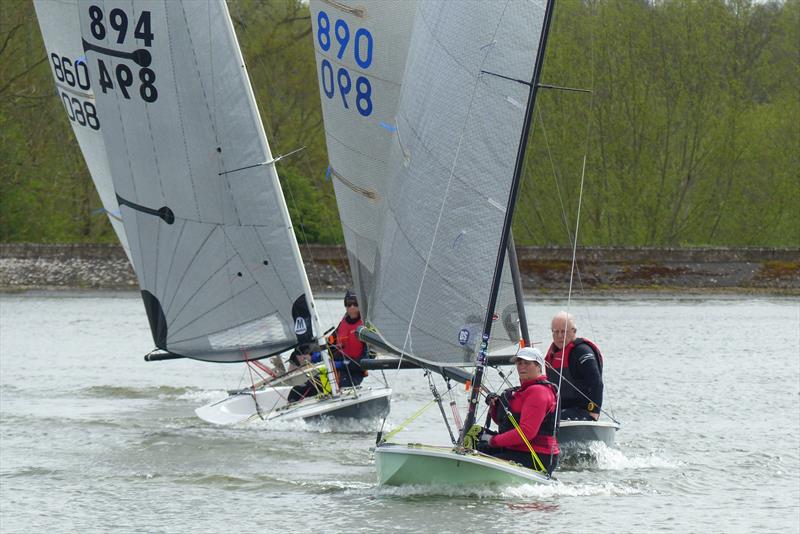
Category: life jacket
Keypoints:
(346, 339)
(549, 424)
(554, 367)
(324, 381)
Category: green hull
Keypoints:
(399, 465)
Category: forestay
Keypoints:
(360, 48)
(61, 31)
(451, 166)
(209, 232)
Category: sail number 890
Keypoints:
(341, 79)
(362, 49)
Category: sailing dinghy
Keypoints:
(162, 92)
(437, 165)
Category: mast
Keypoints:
(518, 293)
(480, 359)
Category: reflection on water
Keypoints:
(94, 438)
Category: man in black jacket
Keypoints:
(579, 375)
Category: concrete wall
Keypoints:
(599, 269)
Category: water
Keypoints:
(92, 438)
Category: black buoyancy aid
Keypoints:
(549, 423)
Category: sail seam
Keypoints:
(199, 289)
(353, 10)
(369, 194)
(186, 270)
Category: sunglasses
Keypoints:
(348, 304)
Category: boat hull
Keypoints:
(363, 403)
(427, 465)
(270, 404)
(586, 431)
(243, 406)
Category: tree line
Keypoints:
(690, 127)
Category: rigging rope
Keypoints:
(536, 460)
(408, 420)
(573, 238)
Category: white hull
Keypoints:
(270, 405)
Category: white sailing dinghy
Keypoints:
(438, 164)
(164, 89)
(269, 402)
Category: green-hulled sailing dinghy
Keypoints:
(427, 108)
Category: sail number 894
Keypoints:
(341, 80)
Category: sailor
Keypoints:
(582, 383)
(345, 346)
(299, 358)
(347, 352)
(532, 406)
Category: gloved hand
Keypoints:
(472, 437)
(483, 444)
(491, 399)
(316, 357)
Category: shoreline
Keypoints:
(602, 272)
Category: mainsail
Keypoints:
(361, 49)
(209, 233)
(61, 31)
(459, 123)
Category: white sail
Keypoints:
(361, 49)
(210, 236)
(459, 124)
(61, 32)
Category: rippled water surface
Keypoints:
(92, 438)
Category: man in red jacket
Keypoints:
(348, 350)
(533, 407)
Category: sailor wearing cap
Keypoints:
(532, 406)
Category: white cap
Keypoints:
(531, 354)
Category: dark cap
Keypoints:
(350, 298)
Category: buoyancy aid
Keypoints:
(553, 358)
(346, 339)
(549, 424)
